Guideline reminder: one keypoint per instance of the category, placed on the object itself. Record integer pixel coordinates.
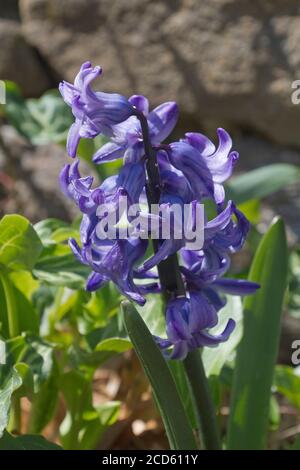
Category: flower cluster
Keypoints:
(190, 171)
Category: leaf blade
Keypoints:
(257, 350)
(164, 388)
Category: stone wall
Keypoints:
(226, 62)
(222, 60)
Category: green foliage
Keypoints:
(42, 120)
(10, 381)
(20, 245)
(84, 424)
(26, 442)
(57, 335)
(215, 358)
(167, 398)
(262, 182)
(287, 382)
(257, 351)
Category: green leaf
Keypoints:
(118, 345)
(37, 353)
(103, 351)
(258, 348)
(20, 245)
(261, 182)
(251, 210)
(26, 442)
(97, 422)
(175, 420)
(215, 358)
(10, 381)
(77, 392)
(153, 314)
(83, 425)
(45, 228)
(287, 382)
(17, 314)
(64, 271)
(42, 120)
(179, 375)
(28, 319)
(44, 403)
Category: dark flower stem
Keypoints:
(169, 272)
(203, 403)
(173, 285)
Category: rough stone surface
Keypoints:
(19, 62)
(228, 62)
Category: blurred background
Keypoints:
(228, 63)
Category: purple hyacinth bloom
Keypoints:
(95, 112)
(114, 261)
(211, 229)
(188, 322)
(127, 140)
(185, 173)
(205, 167)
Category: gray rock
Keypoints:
(230, 62)
(19, 62)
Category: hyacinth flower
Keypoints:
(205, 287)
(127, 140)
(95, 112)
(113, 260)
(184, 172)
(192, 279)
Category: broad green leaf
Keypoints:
(20, 245)
(24, 282)
(26, 442)
(10, 381)
(261, 182)
(215, 358)
(28, 319)
(287, 382)
(45, 228)
(39, 355)
(164, 388)
(42, 120)
(35, 352)
(257, 351)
